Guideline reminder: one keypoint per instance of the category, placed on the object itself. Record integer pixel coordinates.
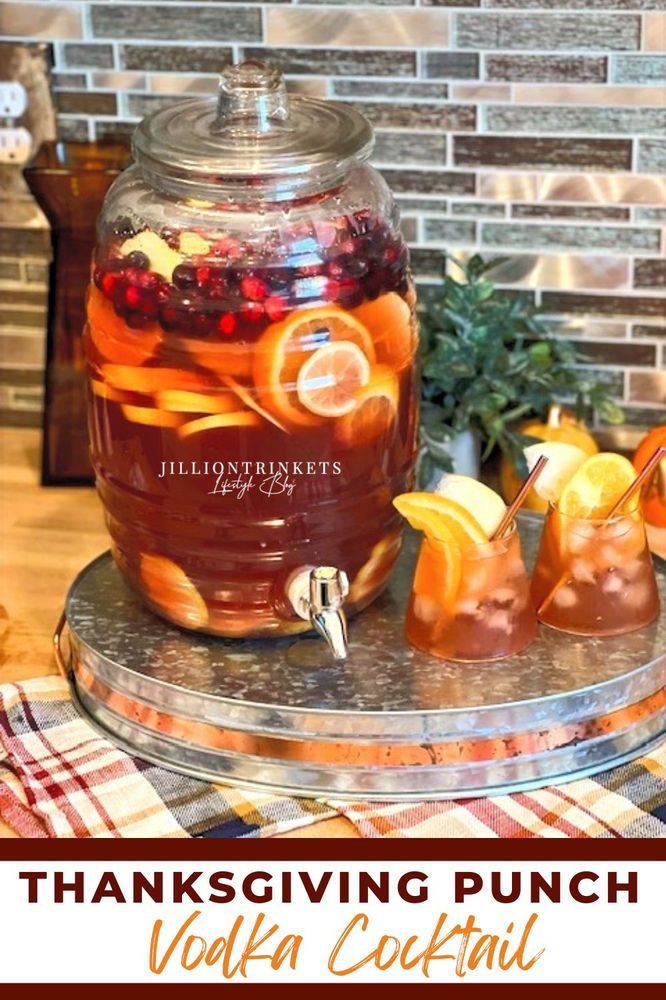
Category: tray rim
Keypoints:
(296, 710)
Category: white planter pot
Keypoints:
(464, 451)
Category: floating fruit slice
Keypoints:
(375, 411)
(284, 347)
(113, 340)
(376, 569)
(487, 506)
(162, 259)
(389, 319)
(330, 378)
(245, 396)
(597, 486)
(144, 379)
(150, 416)
(222, 359)
(239, 418)
(563, 461)
(171, 590)
(440, 518)
(182, 401)
(110, 392)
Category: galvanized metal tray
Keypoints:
(389, 723)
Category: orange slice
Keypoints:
(375, 411)
(376, 569)
(389, 319)
(109, 392)
(150, 416)
(112, 338)
(439, 571)
(146, 379)
(329, 379)
(284, 347)
(440, 518)
(246, 397)
(597, 486)
(239, 418)
(171, 590)
(182, 401)
(222, 359)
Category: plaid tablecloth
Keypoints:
(59, 778)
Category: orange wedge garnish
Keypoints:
(439, 571)
(150, 416)
(440, 518)
(375, 411)
(284, 347)
(113, 339)
(330, 377)
(239, 418)
(181, 401)
(597, 485)
(169, 588)
(390, 321)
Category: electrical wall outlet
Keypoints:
(13, 99)
(15, 145)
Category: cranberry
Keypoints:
(253, 288)
(109, 282)
(332, 290)
(252, 312)
(350, 293)
(372, 285)
(201, 323)
(347, 246)
(139, 260)
(184, 276)
(202, 275)
(163, 293)
(276, 308)
(133, 297)
(226, 324)
(169, 318)
(391, 254)
(148, 280)
(136, 320)
(355, 267)
(335, 269)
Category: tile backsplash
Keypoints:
(535, 131)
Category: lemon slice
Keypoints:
(596, 487)
(487, 507)
(564, 460)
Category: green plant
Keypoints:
(489, 361)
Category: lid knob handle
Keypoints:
(252, 99)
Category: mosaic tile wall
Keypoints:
(535, 130)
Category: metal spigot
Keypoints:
(318, 595)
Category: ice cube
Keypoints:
(637, 594)
(632, 568)
(499, 620)
(565, 597)
(613, 583)
(609, 555)
(467, 606)
(503, 595)
(426, 609)
(582, 570)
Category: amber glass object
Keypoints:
(69, 181)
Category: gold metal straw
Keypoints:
(642, 476)
(519, 498)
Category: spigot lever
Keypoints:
(319, 594)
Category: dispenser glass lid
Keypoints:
(254, 130)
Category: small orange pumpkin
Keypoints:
(560, 426)
(653, 497)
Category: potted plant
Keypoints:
(489, 362)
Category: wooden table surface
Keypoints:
(46, 536)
